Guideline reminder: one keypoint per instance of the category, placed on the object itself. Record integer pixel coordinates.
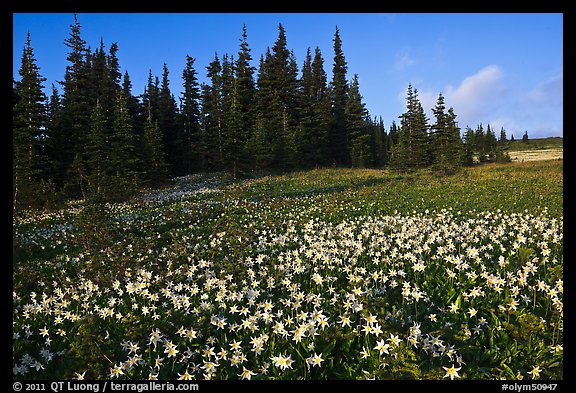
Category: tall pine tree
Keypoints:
(338, 134)
(29, 121)
(357, 126)
(190, 114)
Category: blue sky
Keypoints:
(503, 69)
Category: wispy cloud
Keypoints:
(403, 59)
(547, 93)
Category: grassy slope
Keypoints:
(151, 235)
(537, 149)
(538, 143)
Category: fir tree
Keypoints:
(439, 134)
(412, 149)
(313, 113)
(154, 158)
(29, 120)
(525, 137)
(356, 124)
(76, 109)
(469, 147)
(446, 143)
(260, 142)
(283, 84)
(192, 151)
(454, 146)
(213, 130)
(96, 159)
(169, 126)
(338, 136)
(124, 164)
(54, 138)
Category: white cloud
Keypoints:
(403, 59)
(486, 97)
(477, 95)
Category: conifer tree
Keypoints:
(378, 143)
(150, 96)
(169, 125)
(190, 112)
(96, 159)
(283, 85)
(212, 124)
(445, 138)
(338, 136)
(76, 109)
(454, 145)
(413, 147)
(469, 147)
(480, 143)
(154, 159)
(29, 120)
(54, 138)
(245, 85)
(490, 143)
(356, 124)
(134, 108)
(266, 119)
(125, 172)
(313, 112)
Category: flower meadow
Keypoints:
(327, 274)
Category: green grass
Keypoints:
(537, 144)
(100, 279)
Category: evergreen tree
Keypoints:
(150, 97)
(525, 137)
(245, 85)
(502, 147)
(322, 109)
(29, 120)
(76, 109)
(191, 119)
(469, 147)
(503, 139)
(213, 130)
(313, 113)
(154, 158)
(413, 147)
(480, 144)
(266, 119)
(379, 143)
(454, 146)
(169, 126)
(283, 83)
(123, 162)
(54, 140)
(490, 143)
(96, 159)
(445, 138)
(439, 134)
(235, 138)
(133, 105)
(338, 136)
(356, 124)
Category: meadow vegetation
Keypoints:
(323, 274)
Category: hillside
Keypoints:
(323, 274)
(537, 149)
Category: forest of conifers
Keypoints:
(94, 138)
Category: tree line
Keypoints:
(97, 140)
